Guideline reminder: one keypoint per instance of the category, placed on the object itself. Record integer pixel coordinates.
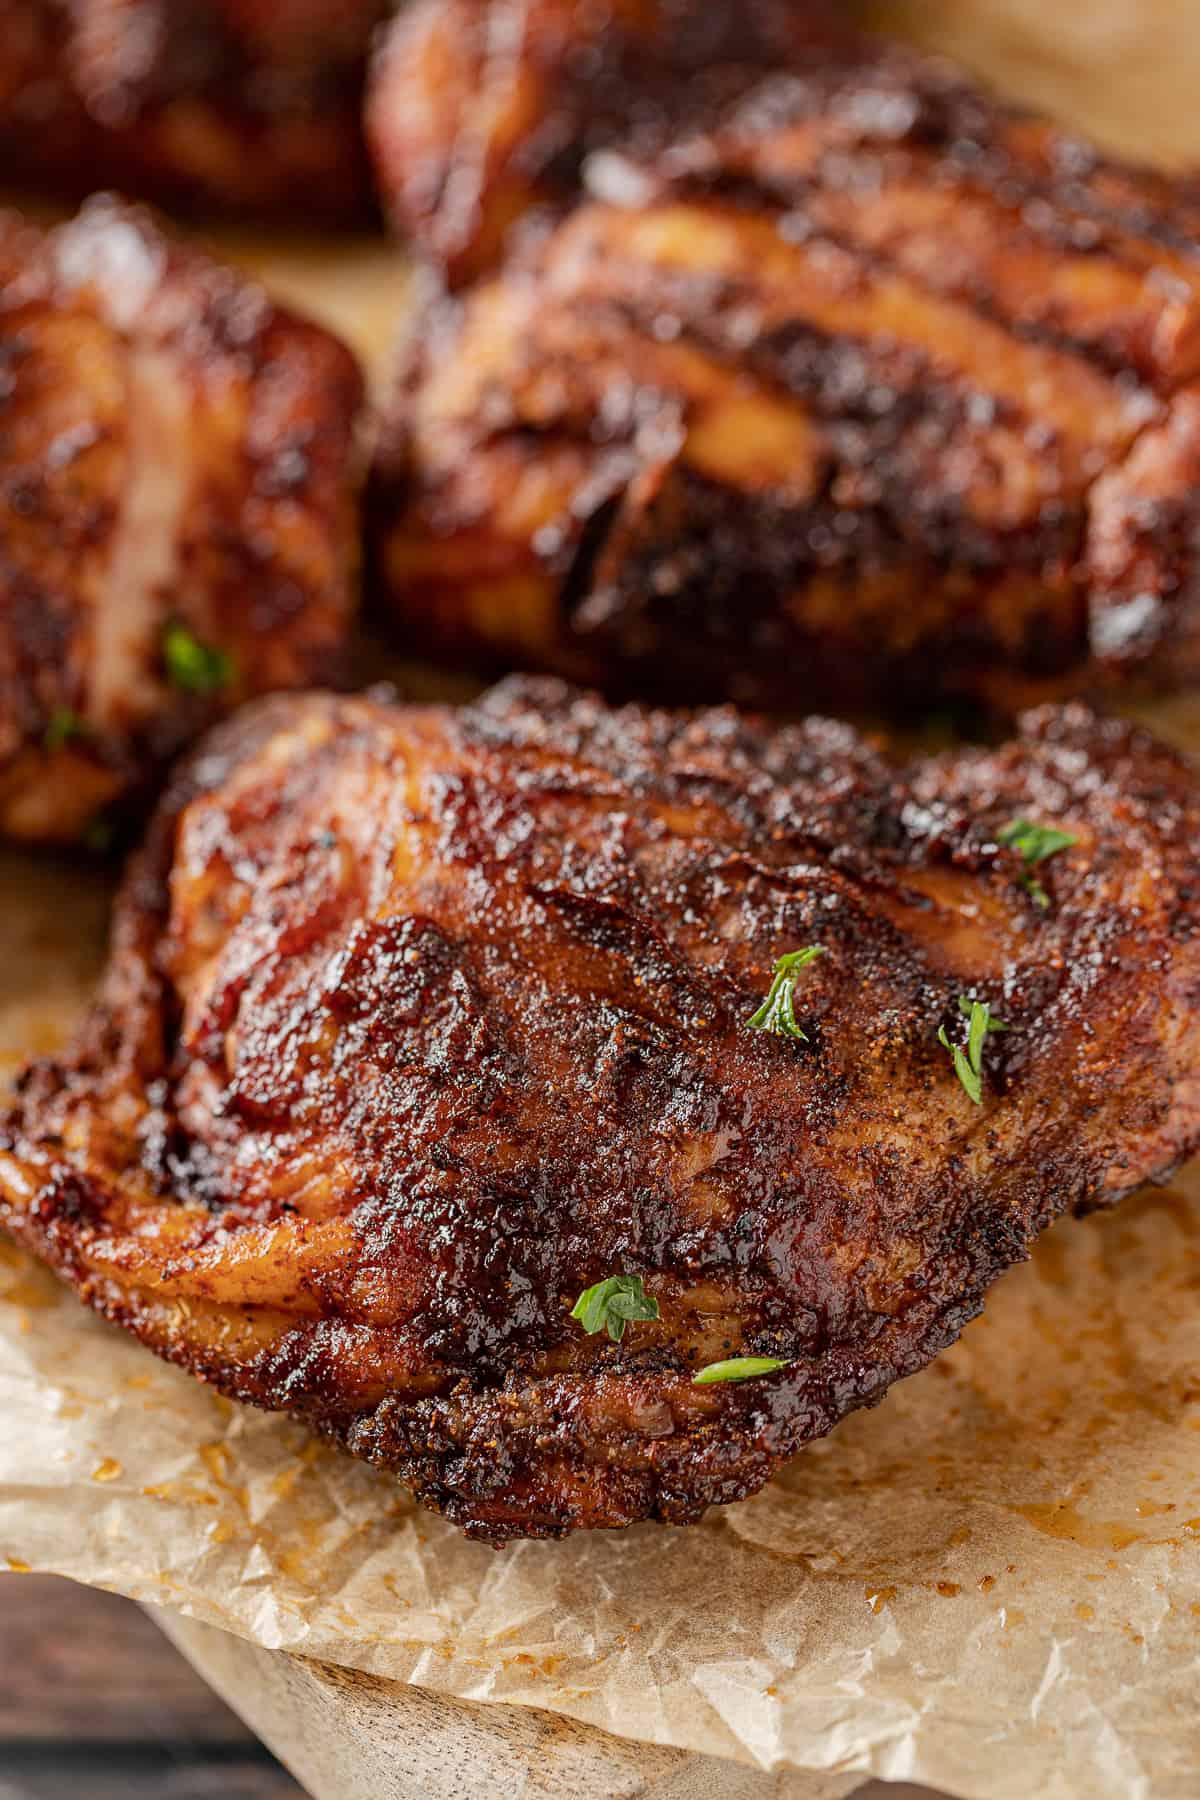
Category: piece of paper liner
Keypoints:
(350, 1736)
(990, 1583)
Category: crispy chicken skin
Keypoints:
(178, 507)
(481, 112)
(420, 1021)
(874, 394)
(231, 105)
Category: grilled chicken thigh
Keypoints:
(237, 105)
(482, 111)
(873, 394)
(178, 516)
(422, 1023)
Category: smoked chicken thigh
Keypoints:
(178, 508)
(231, 105)
(870, 393)
(421, 1021)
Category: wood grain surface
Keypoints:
(96, 1705)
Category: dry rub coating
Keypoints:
(481, 112)
(244, 106)
(420, 1021)
(873, 394)
(177, 474)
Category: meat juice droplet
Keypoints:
(1058, 1519)
(108, 1470)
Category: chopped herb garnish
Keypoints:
(1035, 843)
(609, 1305)
(968, 1063)
(99, 836)
(778, 1011)
(62, 725)
(739, 1368)
(196, 667)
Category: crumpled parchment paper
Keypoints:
(991, 1583)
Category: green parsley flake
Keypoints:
(1035, 843)
(61, 727)
(609, 1305)
(968, 1063)
(193, 666)
(739, 1368)
(778, 1011)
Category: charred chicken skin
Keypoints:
(178, 508)
(420, 1023)
(481, 112)
(875, 394)
(230, 105)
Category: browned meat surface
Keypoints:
(235, 105)
(178, 508)
(873, 394)
(1143, 552)
(482, 111)
(419, 1022)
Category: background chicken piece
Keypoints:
(421, 1022)
(481, 112)
(46, 137)
(1143, 561)
(818, 409)
(234, 105)
(178, 507)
